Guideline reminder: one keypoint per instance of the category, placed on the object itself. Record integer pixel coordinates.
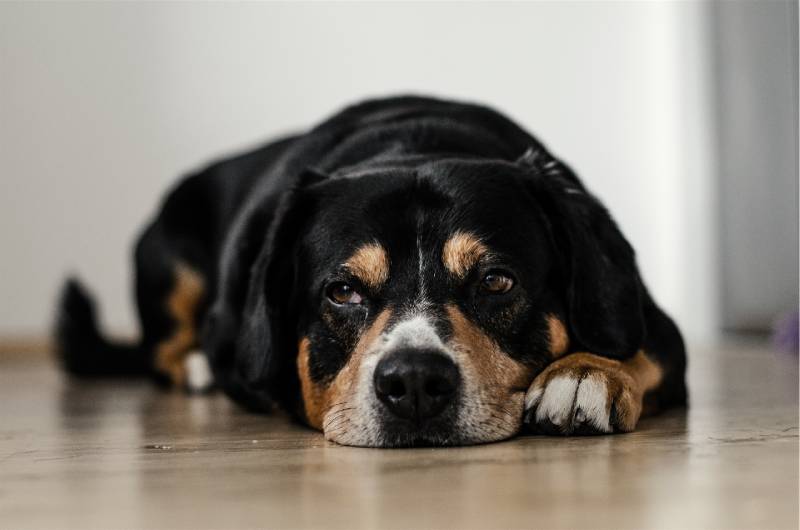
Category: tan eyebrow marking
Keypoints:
(461, 252)
(370, 264)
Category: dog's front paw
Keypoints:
(583, 394)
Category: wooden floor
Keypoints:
(124, 455)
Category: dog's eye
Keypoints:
(343, 293)
(496, 283)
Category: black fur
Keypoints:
(265, 229)
(81, 348)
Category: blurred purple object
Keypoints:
(785, 333)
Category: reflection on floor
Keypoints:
(122, 454)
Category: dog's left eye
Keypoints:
(343, 293)
(496, 283)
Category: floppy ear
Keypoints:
(248, 332)
(604, 289)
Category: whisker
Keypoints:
(340, 414)
(499, 406)
(337, 410)
(334, 426)
(339, 427)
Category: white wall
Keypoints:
(103, 106)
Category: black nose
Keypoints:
(416, 385)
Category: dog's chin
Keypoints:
(395, 434)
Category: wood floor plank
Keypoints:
(122, 454)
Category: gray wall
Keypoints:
(756, 115)
(102, 106)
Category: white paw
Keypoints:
(583, 394)
(569, 404)
(198, 373)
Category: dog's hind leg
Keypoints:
(171, 295)
(183, 303)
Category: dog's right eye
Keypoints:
(342, 293)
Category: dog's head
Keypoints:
(407, 305)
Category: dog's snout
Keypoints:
(416, 385)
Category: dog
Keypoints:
(411, 271)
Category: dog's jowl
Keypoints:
(410, 272)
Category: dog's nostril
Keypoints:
(391, 386)
(439, 386)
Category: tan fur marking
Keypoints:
(370, 264)
(559, 340)
(461, 252)
(319, 400)
(182, 303)
(313, 394)
(498, 372)
(645, 370)
(627, 381)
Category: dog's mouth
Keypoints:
(423, 399)
(461, 424)
(429, 436)
(418, 440)
(439, 431)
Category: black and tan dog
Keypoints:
(411, 271)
